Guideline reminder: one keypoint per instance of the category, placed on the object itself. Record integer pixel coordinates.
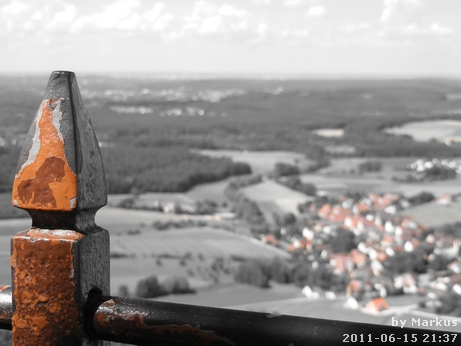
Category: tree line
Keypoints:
(167, 169)
(260, 272)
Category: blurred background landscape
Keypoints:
(292, 157)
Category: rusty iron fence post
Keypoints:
(57, 262)
(60, 266)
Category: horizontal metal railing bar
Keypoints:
(143, 322)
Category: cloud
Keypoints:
(356, 27)
(398, 12)
(20, 18)
(129, 16)
(433, 29)
(66, 15)
(294, 34)
(60, 19)
(231, 22)
(210, 25)
(120, 15)
(293, 3)
(15, 8)
(163, 22)
(209, 18)
(44, 16)
(105, 20)
(190, 21)
(316, 11)
(154, 13)
(260, 2)
(405, 19)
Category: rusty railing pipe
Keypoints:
(147, 322)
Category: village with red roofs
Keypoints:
(383, 236)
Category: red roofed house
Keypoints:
(387, 240)
(376, 305)
(358, 208)
(338, 214)
(342, 263)
(355, 289)
(269, 239)
(324, 211)
(358, 258)
(352, 222)
(403, 234)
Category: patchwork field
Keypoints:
(150, 197)
(433, 214)
(337, 185)
(234, 295)
(437, 188)
(207, 241)
(407, 189)
(260, 161)
(143, 248)
(337, 181)
(269, 209)
(441, 130)
(330, 132)
(192, 243)
(129, 271)
(269, 191)
(351, 164)
(210, 191)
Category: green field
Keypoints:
(343, 175)
(390, 165)
(437, 188)
(441, 130)
(342, 184)
(210, 191)
(269, 191)
(235, 294)
(433, 214)
(269, 209)
(339, 185)
(142, 248)
(261, 162)
(210, 242)
(128, 271)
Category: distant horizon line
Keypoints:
(234, 75)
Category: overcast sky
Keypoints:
(314, 37)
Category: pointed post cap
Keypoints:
(60, 174)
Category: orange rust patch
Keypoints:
(127, 321)
(44, 287)
(46, 181)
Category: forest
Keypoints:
(147, 127)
